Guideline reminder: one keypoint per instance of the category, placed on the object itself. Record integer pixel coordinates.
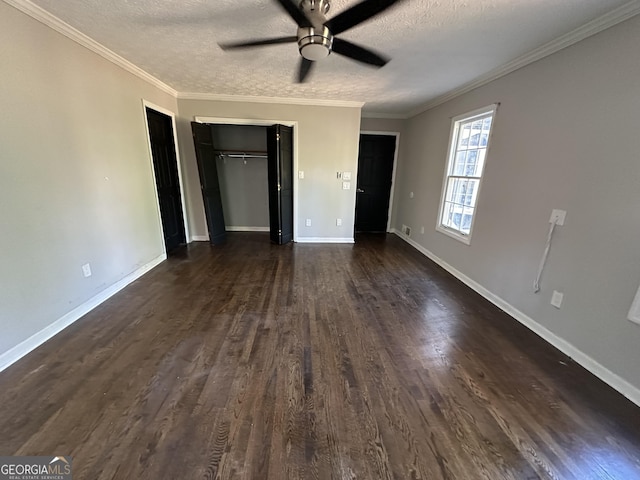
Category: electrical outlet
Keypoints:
(346, 185)
(556, 299)
(346, 175)
(411, 195)
(308, 222)
(557, 217)
(422, 230)
(86, 270)
(300, 174)
(339, 222)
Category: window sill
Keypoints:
(466, 239)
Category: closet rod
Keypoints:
(242, 155)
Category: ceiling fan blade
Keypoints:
(357, 14)
(358, 53)
(257, 43)
(305, 68)
(294, 12)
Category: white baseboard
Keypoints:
(34, 341)
(324, 240)
(247, 229)
(615, 381)
(199, 238)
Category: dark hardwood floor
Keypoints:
(255, 361)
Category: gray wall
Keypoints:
(327, 143)
(76, 179)
(243, 182)
(565, 136)
(244, 191)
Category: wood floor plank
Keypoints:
(367, 361)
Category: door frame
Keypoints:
(183, 203)
(267, 123)
(395, 167)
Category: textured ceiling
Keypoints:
(435, 46)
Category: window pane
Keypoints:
(465, 132)
(458, 168)
(470, 168)
(466, 218)
(448, 215)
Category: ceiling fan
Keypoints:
(316, 35)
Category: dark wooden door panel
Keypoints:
(280, 154)
(165, 166)
(209, 182)
(375, 171)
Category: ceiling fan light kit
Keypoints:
(315, 36)
(314, 44)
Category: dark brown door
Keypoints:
(375, 171)
(165, 165)
(206, 158)
(280, 154)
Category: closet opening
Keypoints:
(246, 175)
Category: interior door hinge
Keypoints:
(278, 136)
(279, 188)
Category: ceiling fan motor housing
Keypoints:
(315, 42)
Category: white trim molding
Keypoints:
(46, 18)
(614, 17)
(246, 229)
(199, 238)
(325, 240)
(34, 341)
(387, 116)
(603, 373)
(279, 100)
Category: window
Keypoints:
(470, 136)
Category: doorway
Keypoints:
(161, 134)
(376, 167)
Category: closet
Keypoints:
(241, 161)
(246, 175)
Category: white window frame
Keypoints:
(456, 122)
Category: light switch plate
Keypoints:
(346, 175)
(300, 174)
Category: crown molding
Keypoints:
(614, 17)
(42, 16)
(279, 100)
(386, 116)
